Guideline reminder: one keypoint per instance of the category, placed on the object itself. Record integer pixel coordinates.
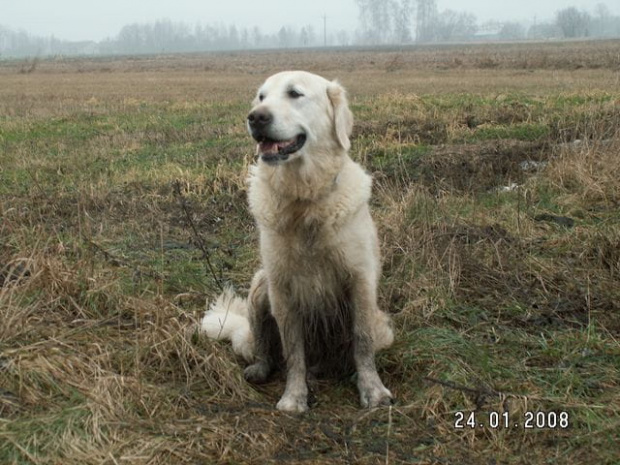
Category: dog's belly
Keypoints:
(328, 330)
(316, 287)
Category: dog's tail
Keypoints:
(227, 319)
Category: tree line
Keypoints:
(385, 22)
(380, 22)
(166, 36)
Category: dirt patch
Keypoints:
(405, 130)
(480, 167)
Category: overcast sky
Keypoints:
(96, 20)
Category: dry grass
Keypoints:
(505, 300)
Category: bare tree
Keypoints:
(602, 10)
(425, 20)
(402, 21)
(573, 23)
(233, 37)
(604, 23)
(452, 25)
(257, 37)
(376, 20)
(307, 36)
(284, 37)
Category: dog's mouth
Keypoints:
(273, 151)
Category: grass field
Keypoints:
(497, 197)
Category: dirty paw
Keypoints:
(375, 396)
(257, 373)
(293, 404)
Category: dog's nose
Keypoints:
(260, 118)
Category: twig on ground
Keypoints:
(199, 241)
(120, 261)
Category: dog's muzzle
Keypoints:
(271, 150)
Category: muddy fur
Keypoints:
(328, 336)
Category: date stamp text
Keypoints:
(504, 420)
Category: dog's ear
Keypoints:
(343, 118)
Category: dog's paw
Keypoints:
(257, 373)
(293, 404)
(375, 395)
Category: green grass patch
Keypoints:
(522, 131)
(46, 436)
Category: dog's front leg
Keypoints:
(295, 398)
(264, 330)
(372, 391)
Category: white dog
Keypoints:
(313, 305)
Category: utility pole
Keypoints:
(324, 30)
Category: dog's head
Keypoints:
(296, 113)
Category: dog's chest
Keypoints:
(300, 225)
(300, 241)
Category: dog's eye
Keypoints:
(292, 93)
(261, 97)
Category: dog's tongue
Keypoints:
(268, 147)
(274, 147)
